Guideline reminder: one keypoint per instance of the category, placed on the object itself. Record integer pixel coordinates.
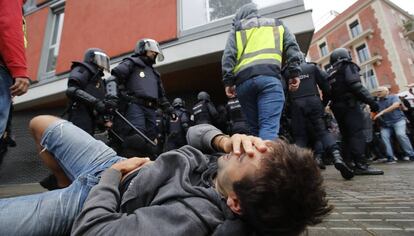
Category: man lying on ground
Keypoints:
(273, 186)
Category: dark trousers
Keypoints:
(143, 118)
(175, 141)
(83, 118)
(239, 127)
(351, 124)
(307, 118)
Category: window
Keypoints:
(52, 41)
(200, 12)
(324, 49)
(362, 52)
(29, 5)
(369, 78)
(355, 29)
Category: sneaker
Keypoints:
(364, 169)
(390, 161)
(406, 158)
(411, 158)
(10, 141)
(380, 160)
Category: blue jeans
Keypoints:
(5, 98)
(261, 99)
(400, 132)
(52, 213)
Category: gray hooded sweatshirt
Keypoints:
(152, 203)
(291, 53)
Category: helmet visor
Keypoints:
(101, 60)
(152, 45)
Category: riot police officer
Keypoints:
(204, 111)
(237, 122)
(86, 91)
(178, 126)
(347, 94)
(307, 114)
(140, 91)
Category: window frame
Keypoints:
(371, 80)
(222, 24)
(355, 25)
(368, 56)
(321, 49)
(56, 10)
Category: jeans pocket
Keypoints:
(92, 179)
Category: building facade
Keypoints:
(192, 34)
(379, 35)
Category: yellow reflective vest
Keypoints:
(258, 41)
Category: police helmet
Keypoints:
(146, 44)
(340, 54)
(203, 96)
(178, 102)
(98, 57)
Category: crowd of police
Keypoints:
(132, 106)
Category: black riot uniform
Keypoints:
(307, 116)
(204, 111)
(161, 124)
(178, 126)
(141, 92)
(347, 94)
(237, 122)
(86, 90)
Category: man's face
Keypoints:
(232, 168)
(151, 54)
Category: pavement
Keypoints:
(370, 205)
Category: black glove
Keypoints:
(170, 111)
(106, 106)
(374, 107)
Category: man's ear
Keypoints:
(234, 203)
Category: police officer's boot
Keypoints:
(362, 168)
(319, 161)
(340, 165)
(3, 149)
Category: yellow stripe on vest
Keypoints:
(262, 44)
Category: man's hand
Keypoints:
(230, 91)
(20, 86)
(130, 164)
(108, 124)
(106, 106)
(378, 115)
(240, 143)
(294, 84)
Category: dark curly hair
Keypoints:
(286, 195)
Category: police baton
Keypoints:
(134, 128)
(116, 135)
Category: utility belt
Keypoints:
(304, 96)
(347, 100)
(146, 102)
